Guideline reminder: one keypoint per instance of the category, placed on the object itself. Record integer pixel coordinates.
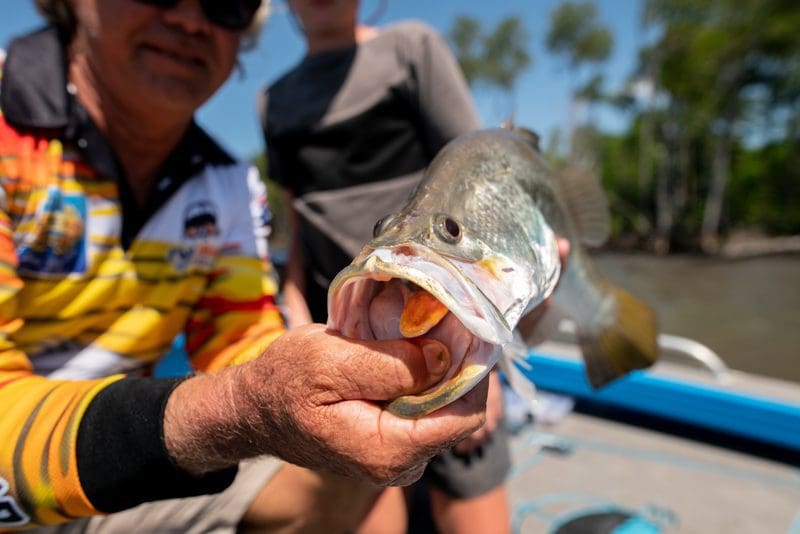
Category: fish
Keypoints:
(473, 256)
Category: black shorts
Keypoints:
(465, 476)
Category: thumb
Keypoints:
(380, 370)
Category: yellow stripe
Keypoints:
(105, 211)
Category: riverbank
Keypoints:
(746, 310)
(744, 243)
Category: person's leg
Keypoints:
(387, 515)
(267, 495)
(218, 513)
(298, 500)
(487, 513)
(467, 491)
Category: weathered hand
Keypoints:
(314, 398)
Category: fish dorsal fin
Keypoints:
(527, 136)
(586, 202)
(508, 123)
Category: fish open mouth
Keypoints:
(409, 293)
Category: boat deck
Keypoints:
(675, 448)
(586, 474)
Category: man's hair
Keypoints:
(59, 13)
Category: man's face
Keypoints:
(324, 17)
(153, 59)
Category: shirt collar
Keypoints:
(33, 93)
(34, 96)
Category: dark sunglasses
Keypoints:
(229, 14)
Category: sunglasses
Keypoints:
(229, 14)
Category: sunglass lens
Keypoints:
(159, 3)
(230, 14)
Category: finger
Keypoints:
(492, 419)
(388, 446)
(563, 249)
(380, 370)
(471, 442)
(445, 427)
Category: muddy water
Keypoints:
(747, 311)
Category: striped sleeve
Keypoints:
(71, 449)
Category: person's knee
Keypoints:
(487, 512)
(388, 514)
(300, 500)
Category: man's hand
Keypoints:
(314, 398)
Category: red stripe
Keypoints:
(197, 334)
(220, 305)
(10, 380)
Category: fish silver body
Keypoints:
(479, 234)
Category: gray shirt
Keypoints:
(349, 131)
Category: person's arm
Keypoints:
(315, 399)
(294, 282)
(446, 109)
(311, 396)
(74, 448)
(294, 289)
(77, 448)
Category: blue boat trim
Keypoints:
(760, 419)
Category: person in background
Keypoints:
(123, 224)
(348, 132)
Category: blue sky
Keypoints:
(542, 92)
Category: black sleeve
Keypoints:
(122, 458)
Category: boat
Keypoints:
(685, 446)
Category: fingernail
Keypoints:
(436, 357)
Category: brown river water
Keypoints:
(747, 311)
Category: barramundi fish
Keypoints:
(474, 252)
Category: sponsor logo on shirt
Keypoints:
(11, 515)
(200, 220)
(57, 242)
(199, 225)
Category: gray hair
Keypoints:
(60, 14)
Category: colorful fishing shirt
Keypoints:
(94, 289)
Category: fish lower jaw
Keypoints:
(416, 406)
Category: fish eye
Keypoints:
(447, 228)
(381, 226)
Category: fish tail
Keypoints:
(625, 343)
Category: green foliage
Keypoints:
(729, 75)
(496, 58)
(504, 58)
(465, 37)
(575, 33)
(280, 222)
(765, 189)
(618, 173)
(592, 90)
(715, 147)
